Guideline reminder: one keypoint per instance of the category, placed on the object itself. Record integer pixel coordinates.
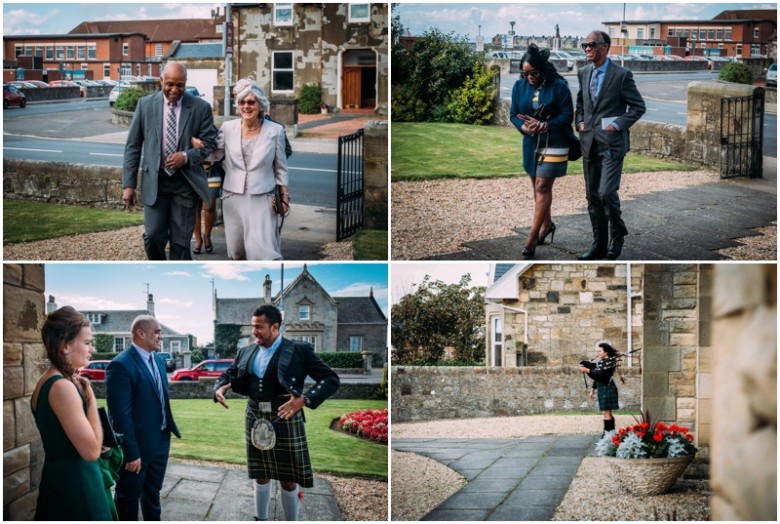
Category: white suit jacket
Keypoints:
(268, 166)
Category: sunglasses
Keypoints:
(248, 102)
(590, 45)
(532, 72)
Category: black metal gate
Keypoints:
(742, 135)
(349, 205)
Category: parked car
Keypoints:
(95, 370)
(38, 83)
(115, 91)
(563, 55)
(496, 54)
(23, 84)
(193, 91)
(170, 362)
(68, 83)
(771, 75)
(13, 97)
(207, 368)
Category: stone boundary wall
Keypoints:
(57, 182)
(375, 174)
(202, 389)
(63, 93)
(122, 118)
(432, 393)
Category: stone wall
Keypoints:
(432, 393)
(677, 357)
(24, 309)
(56, 182)
(375, 171)
(744, 436)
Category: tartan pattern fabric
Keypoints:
(608, 395)
(289, 460)
(170, 136)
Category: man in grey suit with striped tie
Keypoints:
(172, 178)
(608, 103)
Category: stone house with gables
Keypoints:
(341, 47)
(117, 323)
(311, 314)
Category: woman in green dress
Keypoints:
(65, 411)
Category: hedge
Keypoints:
(342, 359)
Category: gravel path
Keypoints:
(419, 486)
(438, 217)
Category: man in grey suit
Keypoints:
(172, 178)
(608, 103)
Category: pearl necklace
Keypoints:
(259, 125)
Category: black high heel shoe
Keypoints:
(196, 250)
(544, 237)
(528, 253)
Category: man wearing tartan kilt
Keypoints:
(272, 373)
(602, 373)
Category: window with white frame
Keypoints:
(640, 32)
(756, 33)
(81, 52)
(283, 75)
(106, 71)
(175, 346)
(94, 318)
(355, 344)
(728, 34)
(70, 52)
(755, 50)
(739, 50)
(84, 66)
(283, 14)
(49, 52)
(119, 344)
(359, 12)
(91, 51)
(304, 312)
(311, 339)
(125, 49)
(158, 49)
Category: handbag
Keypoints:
(544, 112)
(279, 205)
(111, 439)
(575, 149)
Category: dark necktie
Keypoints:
(158, 382)
(170, 136)
(594, 85)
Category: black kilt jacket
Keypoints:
(296, 361)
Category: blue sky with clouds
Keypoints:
(540, 18)
(182, 292)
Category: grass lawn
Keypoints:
(425, 151)
(24, 221)
(370, 244)
(212, 433)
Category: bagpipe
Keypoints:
(606, 364)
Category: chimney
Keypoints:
(51, 305)
(267, 289)
(150, 303)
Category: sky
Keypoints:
(538, 19)
(182, 292)
(406, 276)
(50, 18)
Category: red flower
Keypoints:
(640, 434)
(660, 426)
(689, 436)
(658, 437)
(644, 425)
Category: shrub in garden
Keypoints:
(736, 72)
(128, 99)
(310, 99)
(370, 424)
(473, 103)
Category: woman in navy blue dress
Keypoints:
(542, 110)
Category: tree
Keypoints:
(427, 72)
(436, 316)
(473, 103)
(226, 338)
(103, 342)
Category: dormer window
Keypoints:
(304, 312)
(95, 318)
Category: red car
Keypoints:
(13, 97)
(95, 370)
(207, 368)
(68, 83)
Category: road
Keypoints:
(666, 98)
(66, 131)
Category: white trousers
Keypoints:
(251, 227)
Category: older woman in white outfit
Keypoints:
(255, 163)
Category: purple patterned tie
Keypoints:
(594, 85)
(170, 136)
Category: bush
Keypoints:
(197, 356)
(473, 103)
(310, 99)
(103, 342)
(736, 72)
(342, 359)
(128, 99)
(381, 391)
(103, 356)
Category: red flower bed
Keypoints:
(370, 424)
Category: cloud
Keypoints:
(189, 10)
(88, 302)
(178, 274)
(24, 22)
(175, 302)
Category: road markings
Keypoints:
(32, 149)
(312, 169)
(107, 154)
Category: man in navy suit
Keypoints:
(172, 178)
(608, 103)
(139, 405)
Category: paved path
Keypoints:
(193, 492)
(509, 479)
(684, 224)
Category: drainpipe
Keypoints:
(630, 296)
(525, 327)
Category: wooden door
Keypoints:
(351, 88)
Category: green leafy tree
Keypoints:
(473, 103)
(310, 99)
(226, 338)
(736, 72)
(426, 72)
(197, 356)
(436, 316)
(103, 342)
(128, 99)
